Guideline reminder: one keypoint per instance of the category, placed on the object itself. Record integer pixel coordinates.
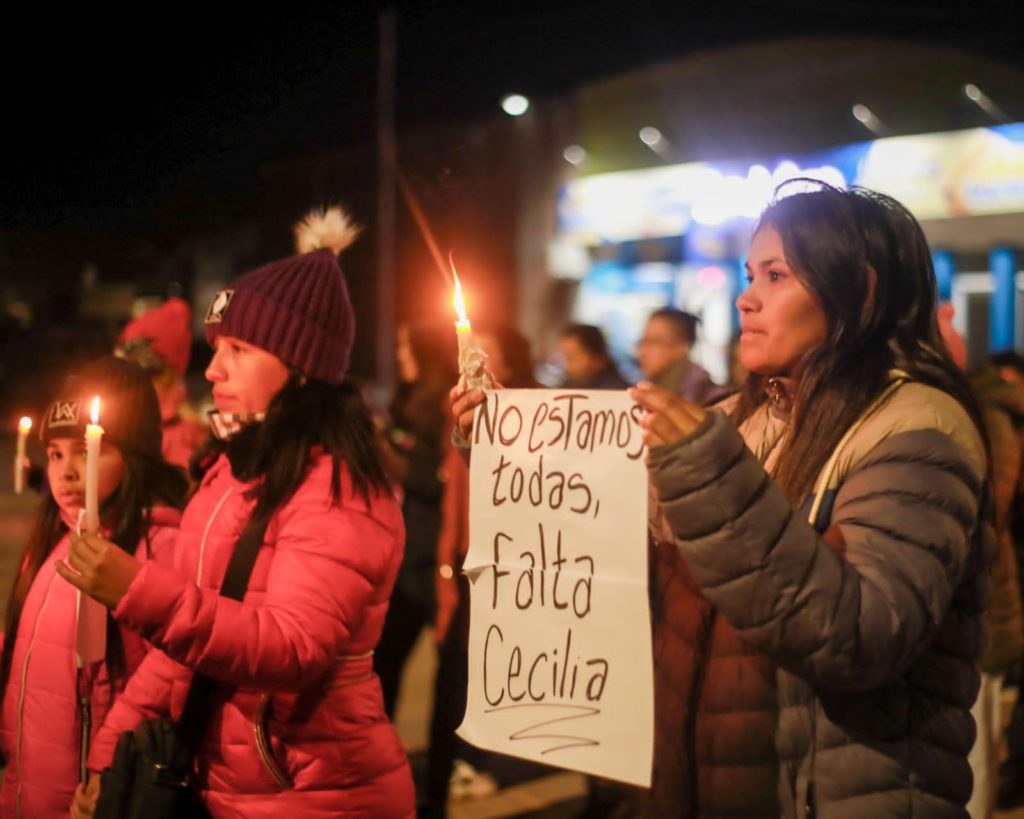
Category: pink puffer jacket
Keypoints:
(304, 734)
(40, 725)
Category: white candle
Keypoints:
(472, 360)
(91, 638)
(93, 438)
(464, 333)
(24, 427)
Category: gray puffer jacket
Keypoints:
(874, 623)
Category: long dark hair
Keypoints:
(147, 482)
(517, 355)
(305, 417)
(864, 257)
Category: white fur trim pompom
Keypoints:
(328, 228)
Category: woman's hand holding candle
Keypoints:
(104, 570)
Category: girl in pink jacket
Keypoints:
(42, 716)
(300, 728)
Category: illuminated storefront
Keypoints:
(676, 234)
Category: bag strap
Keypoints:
(199, 705)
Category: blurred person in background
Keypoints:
(413, 443)
(509, 356)
(663, 353)
(1002, 410)
(1010, 364)
(1001, 388)
(588, 364)
(455, 768)
(737, 372)
(160, 341)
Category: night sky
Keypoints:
(112, 117)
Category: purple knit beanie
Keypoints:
(297, 308)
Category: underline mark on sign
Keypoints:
(571, 741)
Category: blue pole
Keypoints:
(945, 269)
(1002, 261)
(739, 284)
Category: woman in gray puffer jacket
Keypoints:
(835, 515)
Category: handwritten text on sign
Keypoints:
(560, 638)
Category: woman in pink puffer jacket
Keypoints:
(41, 716)
(302, 732)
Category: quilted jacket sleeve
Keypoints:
(147, 695)
(326, 563)
(849, 617)
(162, 542)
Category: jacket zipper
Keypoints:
(21, 693)
(259, 721)
(206, 531)
(263, 746)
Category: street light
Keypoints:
(515, 105)
(650, 136)
(655, 140)
(574, 154)
(984, 102)
(866, 117)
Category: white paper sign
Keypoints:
(560, 666)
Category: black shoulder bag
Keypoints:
(152, 775)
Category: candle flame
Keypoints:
(460, 306)
(94, 412)
(25, 423)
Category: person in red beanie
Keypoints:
(160, 342)
(298, 726)
(140, 496)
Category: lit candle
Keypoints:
(472, 360)
(93, 438)
(91, 637)
(24, 427)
